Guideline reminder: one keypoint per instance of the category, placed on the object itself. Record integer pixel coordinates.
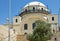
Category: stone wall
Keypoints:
(55, 35)
(21, 38)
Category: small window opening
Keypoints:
(25, 26)
(16, 20)
(26, 10)
(33, 8)
(55, 39)
(52, 18)
(33, 25)
(42, 9)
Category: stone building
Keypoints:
(4, 34)
(24, 23)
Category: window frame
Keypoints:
(52, 18)
(33, 8)
(25, 26)
(16, 20)
(33, 25)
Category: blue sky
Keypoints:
(17, 5)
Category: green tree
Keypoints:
(41, 32)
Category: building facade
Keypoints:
(4, 34)
(24, 23)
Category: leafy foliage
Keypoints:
(41, 32)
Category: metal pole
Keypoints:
(58, 17)
(8, 30)
(9, 17)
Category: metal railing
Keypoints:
(34, 11)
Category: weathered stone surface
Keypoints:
(56, 35)
(21, 38)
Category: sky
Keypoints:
(17, 6)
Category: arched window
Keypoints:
(52, 18)
(33, 8)
(26, 10)
(25, 26)
(16, 20)
(42, 9)
(33, 25)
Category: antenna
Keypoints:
(9, 17)
(59, 15)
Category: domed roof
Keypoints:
(34, 7)
(35, 3)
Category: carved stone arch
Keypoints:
(35, 17)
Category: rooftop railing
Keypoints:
(34, 11)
